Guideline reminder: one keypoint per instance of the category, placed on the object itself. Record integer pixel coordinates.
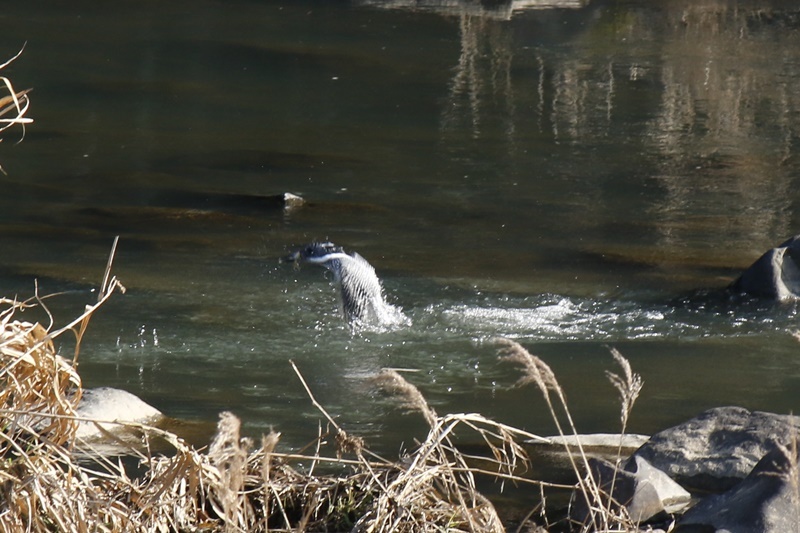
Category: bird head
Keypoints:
(316, 252)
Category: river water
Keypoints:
(567, 175)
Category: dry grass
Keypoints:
(605, 514)
(40, 391)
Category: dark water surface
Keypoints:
(562, 176)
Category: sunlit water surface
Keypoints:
(569, 178)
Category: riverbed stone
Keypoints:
(766, 501)
(645, 491)
(718, 448)
(604, 445)
(774, 275)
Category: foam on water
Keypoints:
(562, 318)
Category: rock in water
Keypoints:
(765, 502)
(718, 448)
(645, 491)
(775, 275)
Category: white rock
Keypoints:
(106, 404)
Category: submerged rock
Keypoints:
(718, 448)
(775, 275)
(765, 502)
(224, 201)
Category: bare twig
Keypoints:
(16, 103)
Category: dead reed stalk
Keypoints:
(437, 485)
(228, 453)
(604, 514)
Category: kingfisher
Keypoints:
(361, 294)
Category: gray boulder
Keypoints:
(765, 502)
(643, 490)
(717, 449)
(775, 275)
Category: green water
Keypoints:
(564, 177)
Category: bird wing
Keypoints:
(360, 288)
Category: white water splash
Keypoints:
(562, 318)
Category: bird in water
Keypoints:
(361, 293)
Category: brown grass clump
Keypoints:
(433, 488)
(39, 487)
(437, 485)
(33, 380)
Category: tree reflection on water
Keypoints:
(704, 91)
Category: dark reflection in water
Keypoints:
(563, 174)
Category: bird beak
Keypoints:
(293, 257)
